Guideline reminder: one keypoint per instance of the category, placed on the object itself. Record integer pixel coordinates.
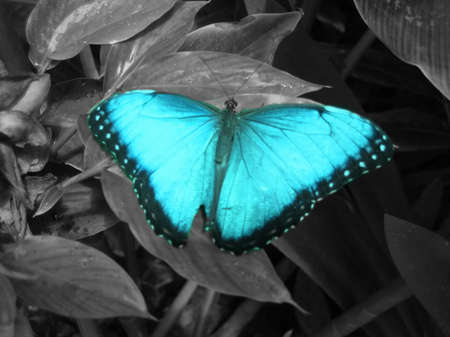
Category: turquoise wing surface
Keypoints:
(165, 144)
(283, 160)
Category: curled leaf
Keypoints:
(50, 197)
(35, 94)
(59, 30)
(26, 133)
(256, 36)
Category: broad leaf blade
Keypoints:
(249, 275)
(423, 259)
(209, 75)
(72, 279)
(162, 37)
(256, 36)
(59, 30)
(416, 31)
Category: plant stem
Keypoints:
(175, 309)
(88, 328)
(105, 163)
(88, 63)
(209, 299)
(248, 309)
(366, 311)
(357, 52)
(133, 327)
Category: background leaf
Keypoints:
(256, 36)
(59, 30)
(338, 245)
(208, 75)
(72, 279)
(416, 31)
(423, 259)
(162, 37)
(249, 275)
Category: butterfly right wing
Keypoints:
(166, 145)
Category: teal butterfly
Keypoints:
(256, 172)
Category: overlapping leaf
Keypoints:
(208, 75)
(256, 36)
(423, 259)
(70, 278)
(250, 275)
(416, 31)
(162, 37)
(59, 30)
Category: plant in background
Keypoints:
(75, 243)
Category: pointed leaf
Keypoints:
(34, 96)
(50, 197)
(416, 31)
(423, 259)
(59, 30)
(208, 75)
(249, 275)
(72, 279)
(256, 36)
(163, 37)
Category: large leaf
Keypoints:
(338, 247)
(423, 259)
(162, 37)
(250, 275)
(416, 31)
(209, 75)
(60, 29)
(72, 279)
(256, 36)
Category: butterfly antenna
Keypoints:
(248, 78)
(215, 78)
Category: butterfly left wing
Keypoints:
(284, 158)
(165, 144)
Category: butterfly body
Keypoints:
(256, 172)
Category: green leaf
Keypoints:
(249, 275)
(163, 37)
(206, 75)
(49, 198)
(423, 259)
(59, 30)
(256, 36)
(416, 31)
(72, 279)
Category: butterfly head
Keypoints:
(231, 105)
